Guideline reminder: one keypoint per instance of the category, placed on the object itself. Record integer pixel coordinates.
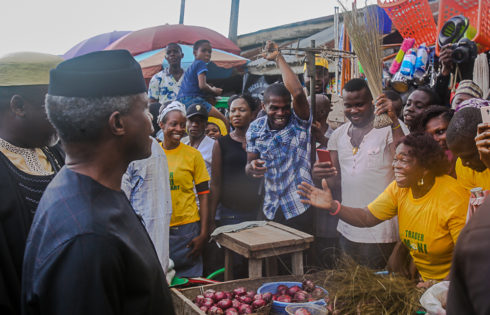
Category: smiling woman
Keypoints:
(431, 206)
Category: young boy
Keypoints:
(194, 85)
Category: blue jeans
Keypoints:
(189, 100)
(179, 237)
(229, 216)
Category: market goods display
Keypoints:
(355, 289)
(238, 301)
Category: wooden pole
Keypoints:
(232, 33)
(182, 10)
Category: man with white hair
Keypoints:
(87, 251)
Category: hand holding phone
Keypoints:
(323, 155)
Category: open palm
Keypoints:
(316, 197)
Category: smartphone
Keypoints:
(323, 155)
(485, 114)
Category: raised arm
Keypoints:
(290, 79)
(360, 217)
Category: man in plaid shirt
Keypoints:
(278, 147)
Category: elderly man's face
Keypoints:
(138, 129)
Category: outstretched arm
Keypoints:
(290, 79)
(323, 199)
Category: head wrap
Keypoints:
(473, 102)
(164, 110)
(218, 122)
(98, 74)
(26, 68)
(470, 88)
(319, 61)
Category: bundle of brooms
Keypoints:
(365, 37)
(356, 290)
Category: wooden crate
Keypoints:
(183, 298)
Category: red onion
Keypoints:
(258, 297)
(235, 303)
(231, 311)
(282, 289)
(204, 309)
(245, 309)
(292, 290)
(308, 285)
(198, 300)
(284, 298)
(218, 296)
(225, 303)
(300, 297)
(317, 293)
(258, 304)
(229, 295)
(251, 294)
(245, 299)
(267, 296)
(215, 310)
(208, 302)
(239, 291)
(302, 311)
(209, 294)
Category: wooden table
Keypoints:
(265, 242)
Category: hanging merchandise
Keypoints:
(421, 62)
(400, 82)
(454, 30)
(397, 62)
(408, 63)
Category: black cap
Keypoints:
(197, 109)
(98, 74)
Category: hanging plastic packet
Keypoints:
(477, 197)
(421, 62)
(408, 63)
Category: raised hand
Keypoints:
(316, 197)
(271, 51)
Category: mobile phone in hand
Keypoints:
(323, 155)
(485, 114)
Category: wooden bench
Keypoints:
(265, 242)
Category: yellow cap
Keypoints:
(319, 61)
(26, 68)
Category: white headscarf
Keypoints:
(175, 105)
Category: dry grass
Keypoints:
(355, 290)
(363, 30)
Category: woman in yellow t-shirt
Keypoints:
(189, 227)
(431, 206)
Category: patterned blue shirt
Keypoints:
(163, 86)
(286, 153)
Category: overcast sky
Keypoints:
(54, 26)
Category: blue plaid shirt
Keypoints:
(286, 153)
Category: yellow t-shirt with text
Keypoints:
(428, 226)
(186, 169)
(470, 178)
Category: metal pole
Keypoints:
(310, 65)
(336, 34)
(232, 33)
(182, 10)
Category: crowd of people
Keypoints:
(110, 189)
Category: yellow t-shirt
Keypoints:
(470, 178)
(428, 226)
(187, 169)
(20, 163)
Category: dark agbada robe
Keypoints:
(469, 288)
(88, 253)
(19, 196)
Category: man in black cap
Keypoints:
(87, 251)
(197, 119)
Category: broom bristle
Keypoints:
(363, 31)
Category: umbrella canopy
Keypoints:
(157, 37)
(151, 61)
(95, 43)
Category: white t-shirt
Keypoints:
(365, 175)
(206, 149)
